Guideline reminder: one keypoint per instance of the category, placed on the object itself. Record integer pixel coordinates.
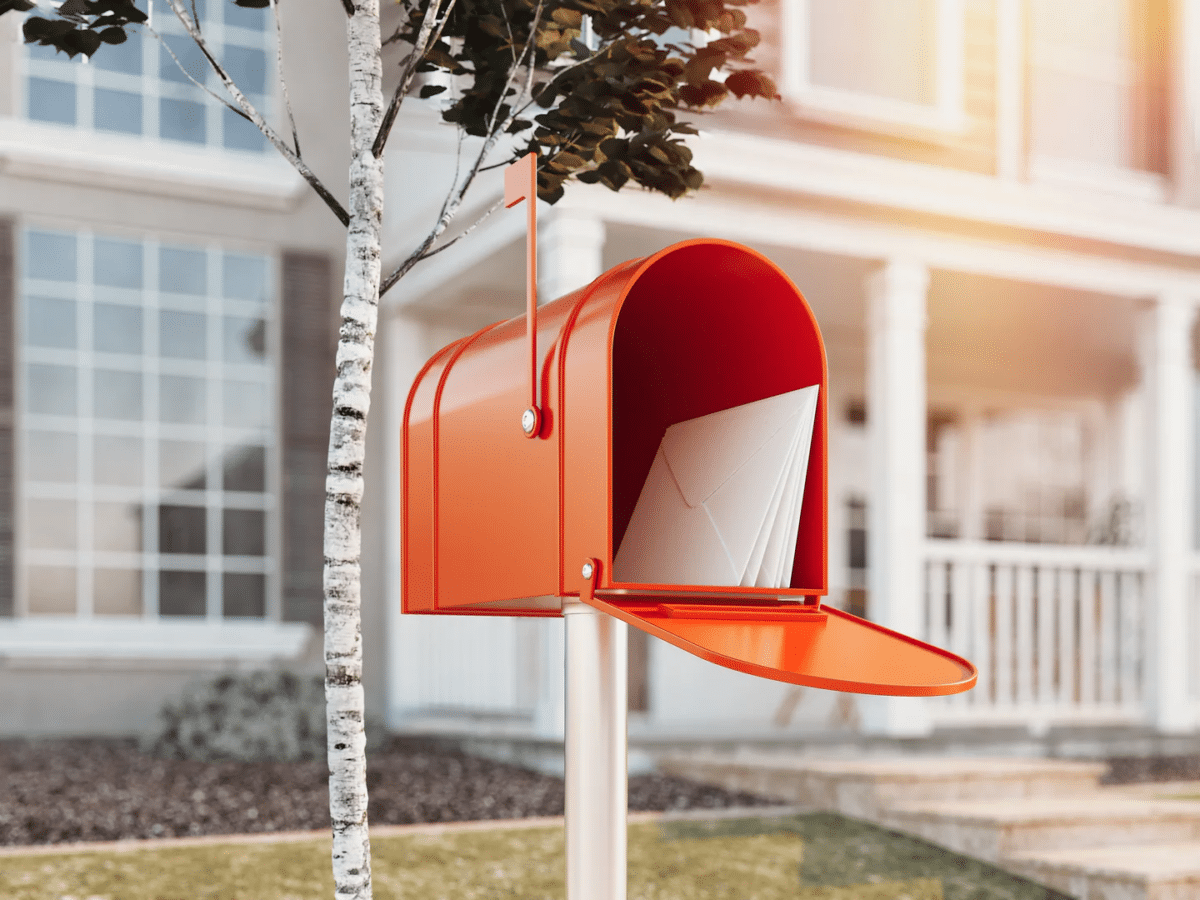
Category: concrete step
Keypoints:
(863, 788)
(1155, 872)
(994, 831)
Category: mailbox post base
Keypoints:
(597, 783)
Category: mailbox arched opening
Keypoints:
(707, 326)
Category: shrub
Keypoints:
(264, 715)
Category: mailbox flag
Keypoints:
(721, 504)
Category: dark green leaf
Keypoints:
(253, 4)
(113, 35)
(17, 5)
(430, 90)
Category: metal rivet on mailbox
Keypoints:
(587, 570)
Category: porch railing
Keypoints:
(1057, 632)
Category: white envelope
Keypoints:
(721, 505)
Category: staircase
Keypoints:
(1047, 820)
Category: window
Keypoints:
(137, 88)
(146, 428)
(1098, 93)
(878, 60)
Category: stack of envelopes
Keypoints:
(721, 505)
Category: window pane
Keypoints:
(117, 329)
(244, 532)
(118, 263)
(117, 527)
(181, 465)
(125, 57)
(49, 322)
(181, 529)
(50, 456)
(241, 134)
(117, 460)
(245, 278)
(245, 469)
(118, 395)
(245, 340)
(245, 595)
(50, 524)
(118, 592)
(877, 47)
(181, 593)
(181, 335)
(182, 271)
(118, 111)
(247, 66)
(51, 101)
(182, 120)
(242, 17)
(245, 404)
(51, 590)
(181, 400)
(50, 256)
(188, 58)
(50, 389)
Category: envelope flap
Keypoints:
(702, 453)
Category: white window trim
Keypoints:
(1084, 177)
(35, 150)
(52, 638)
(945, 118)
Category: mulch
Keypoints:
(54, 791)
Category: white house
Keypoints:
(990, 205)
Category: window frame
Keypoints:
(214, 563)
(153, 89)
(944, 118)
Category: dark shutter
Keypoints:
(309, 349)
(8, 295)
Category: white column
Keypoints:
(570, 253)
(597, 773)
(1167, 375)
(896, 452)
(403, 340)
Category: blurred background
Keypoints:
(990, 205)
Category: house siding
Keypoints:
(309, 352)
(8, 291)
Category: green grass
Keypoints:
(806, 857)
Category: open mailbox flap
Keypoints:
(799, 643)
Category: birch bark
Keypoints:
(344, 479)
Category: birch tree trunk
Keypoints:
(344, 478)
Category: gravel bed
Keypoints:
(96, 790)
(1144, 769)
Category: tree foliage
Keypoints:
(608, 81)
(597, 93)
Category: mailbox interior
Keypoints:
(708, 327)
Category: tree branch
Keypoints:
(287, 100)
(420, 255)
(427, 36)
(455, 197)
(248, 110)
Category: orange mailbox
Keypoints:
(500, 522)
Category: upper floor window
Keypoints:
(138, 87)
(878, 60)
(146, 429)
(1098, 90)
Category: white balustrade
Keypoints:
(1056, 632)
